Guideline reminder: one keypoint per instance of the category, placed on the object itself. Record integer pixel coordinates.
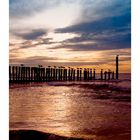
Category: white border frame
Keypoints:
(135, 86)
(4, 47)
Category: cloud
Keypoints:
(30, 44)
(106, 40)
(35, 62)
(32, 60)
(91, 47)
(105, 24)
(94, 10)
(107, 33)
(34, 34)
(24, 8)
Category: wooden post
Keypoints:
(46, 74)
(43, 74)
(105, 73)
(69, 74)
(16, 72)
(77, 74)
(90, 74)
(94, 74)
(28, 74)
(108, 74)
(13, 73)
(31, 74)
(80, 73)
(9, 73)
(74, 74)
(19, 74)
(25, 74)
(40, 74)
(21, 78)
(54, 73)
(43, 78)
(34, 75)
(85, 74)
(117, 67)
(57, 72)
(61, 71)
(101, 74)
(66, 74)
(113, 75)
(49, 73)
(22, 72)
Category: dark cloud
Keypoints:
(105, 24)
(107, 34)
(99, 9)
(104, 41)
(78, 47)
(28, 44)
(90, 47)
(34, 34)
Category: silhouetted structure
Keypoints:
(117, 66)
(113, 75)
(94, 75)
(105, 75)
(42, 74)
(101, 74)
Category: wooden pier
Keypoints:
(18, 74)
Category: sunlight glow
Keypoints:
(61, 36)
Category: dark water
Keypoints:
(100, 110)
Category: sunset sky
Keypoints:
(78, 33)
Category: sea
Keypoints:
(98, 110)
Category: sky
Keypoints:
(76, 33)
